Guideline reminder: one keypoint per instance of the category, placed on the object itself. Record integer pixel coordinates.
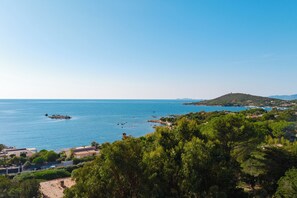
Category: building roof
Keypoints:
(83, 153)
(80, 149)
(12, 150)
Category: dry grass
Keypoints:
(54, 189)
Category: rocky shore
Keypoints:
(166, 123)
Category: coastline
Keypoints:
(96, 120)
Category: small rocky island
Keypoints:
(59, 117)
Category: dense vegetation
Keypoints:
(48, 174)
(37, 160)
(15, 189)
(239, 99)
(216, 154)
(219, 154)
(26, 184)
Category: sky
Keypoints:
(147, 49)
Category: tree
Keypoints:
(280, 128)
(117, 172)
(2, 146)
(29, 188)
(15, 160)
(5, 185)
(26, 164)
(95, 144)
(215, 154)
(186, 129)
(267, 165)
(23, 155)
(39, 160)
(197, 166)
(237, 136)
(287, 185)
(51, 156)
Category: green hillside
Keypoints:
(240, 99)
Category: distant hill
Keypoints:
(285, 97)
(240, 99)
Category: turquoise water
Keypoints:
(23, 122)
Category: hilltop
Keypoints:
(241, 99)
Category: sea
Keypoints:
(23, 123)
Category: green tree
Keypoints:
(29, 188)
(117, 172)
(287, 185)
(51, 156)
(95, 144)
(214, 154)
(237, 136)
(186, 129)
(39, 160)
(280, 128)
(23, 155)
(2, 146)
(267, 165)
(197, 166)
(5, 185)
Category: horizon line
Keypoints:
(101, 99)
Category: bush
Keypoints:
(85, 159)
(51, 174)
(39, 160)
(27, 164)
(51, 156)
(71, 168)
(24, 176)
(30, 188)
(23, 189)
(43, 175)
(287, 184)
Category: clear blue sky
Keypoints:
(147, 48)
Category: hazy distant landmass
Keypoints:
(188, 99)
(285, 97)
(241, 99)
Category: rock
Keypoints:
(60, 117)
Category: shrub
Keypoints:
(39, 160)
(85, 159)
(51, 174)
(24, 176)
(43, 175)
(287, 184)
(51, 156)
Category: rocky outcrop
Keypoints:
(59, 117)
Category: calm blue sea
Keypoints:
(23, 122)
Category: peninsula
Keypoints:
(241, 99)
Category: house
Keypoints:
(86, 151)
(18, 152)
